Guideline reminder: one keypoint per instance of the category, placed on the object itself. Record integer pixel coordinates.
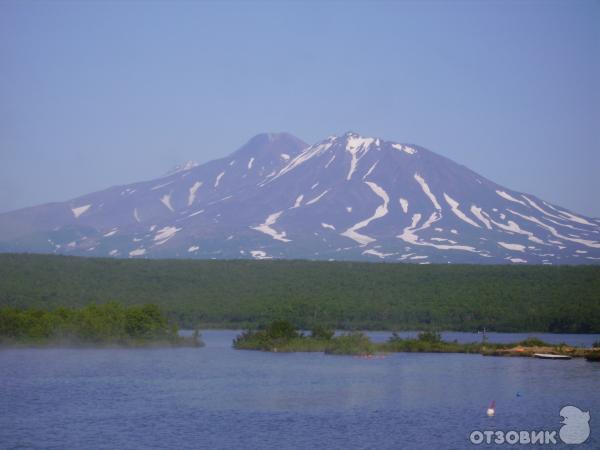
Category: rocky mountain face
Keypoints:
(345, 198)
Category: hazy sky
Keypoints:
(94, 94)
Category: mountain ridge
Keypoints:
(345, 197)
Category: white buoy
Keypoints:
(491, 411)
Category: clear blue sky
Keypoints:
(94, 94)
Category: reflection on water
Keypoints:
(217, 397)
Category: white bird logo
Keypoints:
(576, 427)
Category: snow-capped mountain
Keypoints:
(345, 198)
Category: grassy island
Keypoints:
(109, 324)
(282, 336)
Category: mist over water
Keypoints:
(217, 397)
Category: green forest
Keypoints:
(107, 324)
(345, 295)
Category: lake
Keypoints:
(219, 398)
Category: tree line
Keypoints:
(342, 295)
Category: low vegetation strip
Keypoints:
(110, 324)
(282, 336)
(342, 295)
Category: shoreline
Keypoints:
(209, 327)
(590, 354)
(182, 342)
(281, 336)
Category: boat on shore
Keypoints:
(550, 356)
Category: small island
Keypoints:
(105, 325)
(282, 336)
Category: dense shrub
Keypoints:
(281, 336)
(429, 336)
(354, 343)
(110, 323)
(533, 342)
(281, 329)
(321, 332)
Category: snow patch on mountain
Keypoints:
(80, 210)
(457, 212)
(509, 246)
(158, 186)
(478, 212)
(552, 230)
(404, 148)
(298, 201)
(427, 191)
(409, 234)
(196, 213)
(267, 229)
(404, 205)
(434, 217)
(514, 227)
(380, 212)
(137, 252)
(577, 219)
(111, 233)
(517, 260)
(166, 200)
(370, 170)
(377, 253)
(330, 161)
(164, 234)
(303, 157)
(218, 179)
(192, 193)
(259, 254)
(540, 209)
(450, 241)
(317, 198)
(509, 197)
(357, 146)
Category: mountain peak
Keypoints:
(354, 136)
(269, 144)
(279, 137)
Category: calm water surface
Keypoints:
(217, 397)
